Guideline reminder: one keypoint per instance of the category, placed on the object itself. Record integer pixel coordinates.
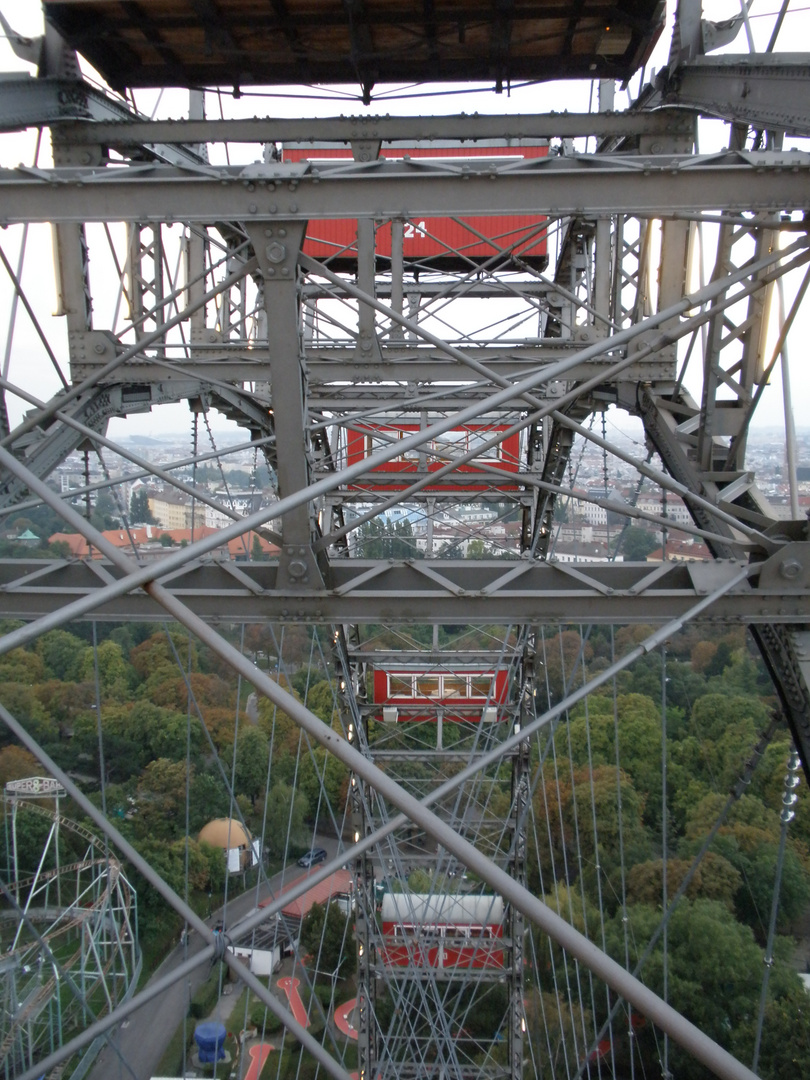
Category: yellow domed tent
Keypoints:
(234, 839)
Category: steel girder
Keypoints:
(54, 102)
(655, 185)
(134, 131)
(85, 421)
(765, 90)
(705, 1049)
(420, 591)
(774, 593)
(782, 645)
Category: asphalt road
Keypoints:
(143, 1038)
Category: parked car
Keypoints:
(312, 857)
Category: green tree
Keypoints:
(420, 881)
(138, 733)
(207, 800)
(139, 512)
(161, 801)
(637, 543)
(327, 935)
(156, 652)
(320, 698)
(753, 851)
(215, 867)
(125, 753)
(23, 704)
(715, 879)
(32, 834)
(114, 673)
(714, 975)
(563, 806)
(560, 654)
(554, 1024)
(252, 758)
(64, 701)
(106, 512)
(381, 538)
(21, 666)
(592, 734)
(785, 1047)
(323, 780)
(477, 549)
(17, 763)
(285, 811)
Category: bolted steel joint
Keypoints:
(276, 252)
(790, 569)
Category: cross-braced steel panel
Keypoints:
(423, 325)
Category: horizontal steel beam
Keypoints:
(753, 181)
(419, 591)
(336, 376)
(765, 90)
(29, 102)
(388, 129)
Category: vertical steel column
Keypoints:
(397, 275)
(71, 263)
(366, 905)
(277, 247)
(145, 274)
(671, 283)
(602, 264)
(519, 819)
(368, 346)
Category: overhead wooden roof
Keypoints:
(240, 43)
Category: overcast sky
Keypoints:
(28, 357)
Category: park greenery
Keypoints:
(154, 728)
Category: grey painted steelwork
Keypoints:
(346, 129)
(657, 184)
(598, 336)
(401, 592)
(27, 102)
(704, 1049)
(769, 91)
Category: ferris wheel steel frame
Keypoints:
(710, 1053)
(612, 312)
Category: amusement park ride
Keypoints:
(418, 313)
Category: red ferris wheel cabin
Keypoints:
(504, 454)
(442, 931)
(433, 243)
(408, 694)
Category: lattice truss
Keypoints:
(71, 935)
(422, 327)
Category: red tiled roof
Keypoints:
(237, 546)
(678, 550)
(143, 534)
(75, 542)
(339, 883)
(146, 534)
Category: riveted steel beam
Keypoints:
(50, 102)
(351, 129)
(367, 591)
(663, 185)
(765, 90)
